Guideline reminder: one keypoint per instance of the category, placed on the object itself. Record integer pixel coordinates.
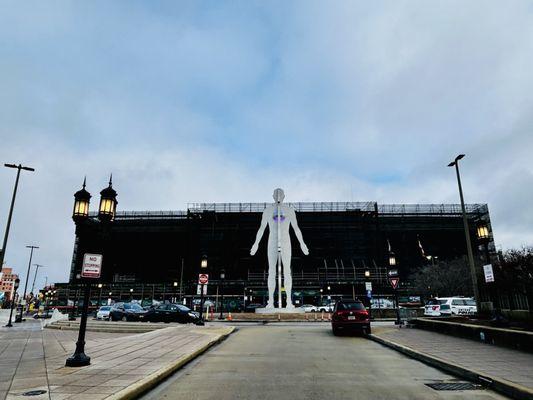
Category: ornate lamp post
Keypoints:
(369, 294)
(203, 268)
(80, 215)
(15, 287)
(483, 237)
(222, 277)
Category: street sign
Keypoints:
(368, 286)
(199, 289)
(489, 273)
(92, 265)
(203, 279)
(369, 294)
(394, 282)
(392, 272)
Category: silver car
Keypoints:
(103, 313)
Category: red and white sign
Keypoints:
(394, 282)
(92, 265)
(203, 279)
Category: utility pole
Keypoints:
(19, 317)
(473, 274)
(6, 235)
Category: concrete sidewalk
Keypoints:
(512, 369)
(122, 365)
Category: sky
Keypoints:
(213, 101)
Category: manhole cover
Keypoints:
(34, 393)
(454, 386)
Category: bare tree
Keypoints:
(447, 278)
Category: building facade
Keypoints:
(7, 282)
(156, 255)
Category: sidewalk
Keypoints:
(122, 365)
(510, 367)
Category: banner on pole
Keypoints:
(489, 273)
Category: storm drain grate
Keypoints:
(454, 386)
(34, 393)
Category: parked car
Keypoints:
(171, 313)
(461, 305)
(103, 313)
(350, 316)
(437, 308)
(325, 307)
(126, 312)
(308, 307)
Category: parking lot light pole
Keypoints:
(222, 277)
(22, 306)
(15, 287)
(455, 163)
(367, 277)
(8, 225)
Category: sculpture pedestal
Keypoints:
(272, 310)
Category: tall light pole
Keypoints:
(203, 268)
(455, 163)
(35, 276)
(6, 235)
(19, 317)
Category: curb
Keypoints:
(147, 383)
(499, 385)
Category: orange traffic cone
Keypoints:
(229, 318)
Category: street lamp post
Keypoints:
(100, 295)
(15, 287)
(131, 294)
(369, 294)
(222, 277)
(203, 267)
(455, 163)
(22, 306)
(37, 266)
(80, 215)
(8, 225)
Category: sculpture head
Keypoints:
(278, 195)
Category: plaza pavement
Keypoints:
(122, 365)
(510, 370)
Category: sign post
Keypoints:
(203, 279)
(394, 281)
(91, 268)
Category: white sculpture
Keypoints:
(279, 218)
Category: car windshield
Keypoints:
(183, 308)
(470, 302)
(350, 306)
(442, 301)
(136, 307)
(105, 308)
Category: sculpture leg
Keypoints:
(272, 263)
(286, 256)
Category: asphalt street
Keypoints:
(305, 361)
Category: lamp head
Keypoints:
(82, 199)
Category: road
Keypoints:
(305, 361)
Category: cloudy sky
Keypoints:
(224, 101)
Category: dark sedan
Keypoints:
(126, 312)
(171, 313)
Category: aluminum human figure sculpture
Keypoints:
(279, 218)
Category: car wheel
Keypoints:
(336, 332)
(124, 318)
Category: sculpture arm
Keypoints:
(298, 233)
(264, 222)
